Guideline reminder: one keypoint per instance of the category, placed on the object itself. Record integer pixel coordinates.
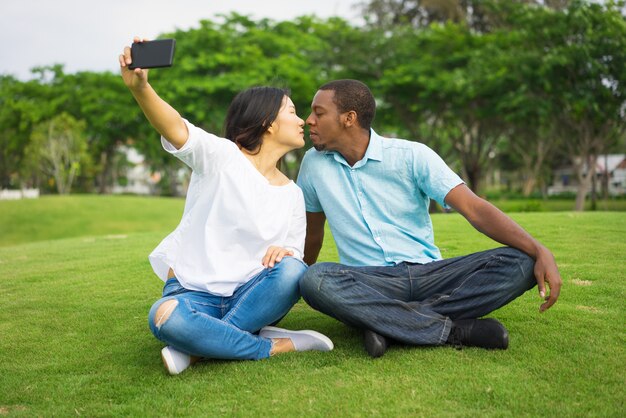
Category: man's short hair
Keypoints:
(353, 95)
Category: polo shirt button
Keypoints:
(378, 239)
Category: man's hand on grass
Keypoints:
(546, 272)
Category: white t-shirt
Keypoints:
(232, 215)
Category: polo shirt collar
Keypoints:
(374, 151)
(375, 148)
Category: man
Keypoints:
(392, 281)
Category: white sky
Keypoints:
(89, 35)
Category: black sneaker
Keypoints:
(485, 333)
(375, 344)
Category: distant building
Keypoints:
(19, 194)
(139, 179)
(566, 181)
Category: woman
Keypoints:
(232, 265)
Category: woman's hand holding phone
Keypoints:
(137, 78)
(163, 117)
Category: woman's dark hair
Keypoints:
(250, 115)
(353, 95)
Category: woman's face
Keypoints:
(288, 128)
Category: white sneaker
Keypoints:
(174, 360)
(304, 340)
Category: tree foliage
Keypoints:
(58, 149)
(483, 82)
(479, 15)
(22, 105)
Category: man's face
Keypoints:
(324, 121)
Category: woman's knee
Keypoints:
(161, 312)
(290, 269)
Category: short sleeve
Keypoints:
(312, 203)
(203, 152)
(433, 175)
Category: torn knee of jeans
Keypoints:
(164, 311)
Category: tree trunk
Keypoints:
(473, 173)
(594, 197)
(533, 162)
(529, 185)
(580, 196)
(584, 180)
(106, 164)
(5, 177)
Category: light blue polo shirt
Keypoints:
(378, 209)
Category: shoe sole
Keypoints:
(274, 332)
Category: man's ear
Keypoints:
(349, 119)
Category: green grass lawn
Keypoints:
(53, 217)
(552, 204)
(76, 286)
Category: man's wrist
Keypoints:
(540, 250)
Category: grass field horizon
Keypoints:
(76, 288)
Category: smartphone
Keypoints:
(152, 54)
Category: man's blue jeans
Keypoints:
(416, 303)
(211, 326)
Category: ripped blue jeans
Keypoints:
(211, 326)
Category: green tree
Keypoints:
(525, 105)
(22, 104)
(480, 15)
(218, 59)
(99, 99)
(111, 117)
(585, 74)
(58, 149)
(440, 85)
(540, 76)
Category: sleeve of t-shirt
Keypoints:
(203, 152)
(312, 203)
(433, 175)
(297, 227)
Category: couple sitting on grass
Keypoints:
(238, 260)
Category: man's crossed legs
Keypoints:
(423, 304)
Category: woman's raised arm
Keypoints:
(163, 117)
